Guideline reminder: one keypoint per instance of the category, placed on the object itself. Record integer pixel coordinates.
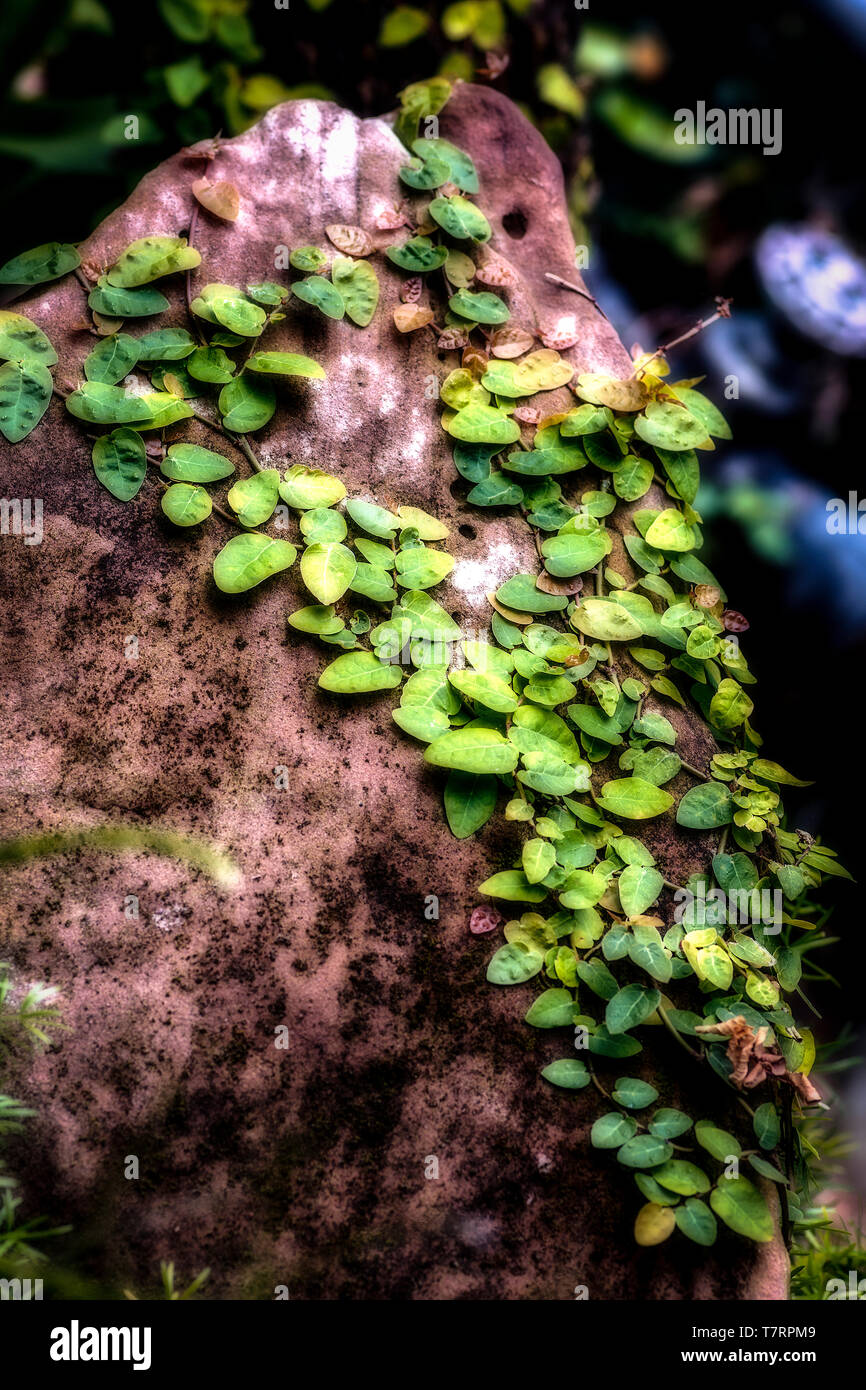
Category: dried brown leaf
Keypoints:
(352, 241)
(510, 341)
(221, 199)
(409, 317)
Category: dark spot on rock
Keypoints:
(515, 224)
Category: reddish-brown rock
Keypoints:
(303, 1167)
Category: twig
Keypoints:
(695, 771)
(238, 440)
(578, 289)
(723, 311)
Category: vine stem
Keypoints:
(675, 1033)
(238, 440)
(695, 771)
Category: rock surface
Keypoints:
(303, 1167)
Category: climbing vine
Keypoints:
(578, 668)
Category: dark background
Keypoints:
(667, 232)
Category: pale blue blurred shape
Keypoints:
(817, 282)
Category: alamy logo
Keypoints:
(76, 1343)
(846, 518)
(21, 1290)
(737, 126)
(22, 516)
(713, 907)
(837, 1288)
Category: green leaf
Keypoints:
(633, 478)
(520, 592)
(630, 1007)
(358, 285)
(269, 294)
(461, 170)
(644, 1151)
(118, 303)
(421, 568)
(678, 1175)
(230, 308)
(255, 498)
(321, 294)
(569, 1073)
(246, 405)
(669, 426)
(495, 491)
(186, 80)
(305, 488)
(186, 504)
(359, 673)
(646, 951)
(513, 965)
(210, 364)
(403, 25)
(638, 888)
(190, 463)
(511, 885)
(120, 463)
(570, 554)
(309, 259)
(735, 873)
(474, 748)
(706, 807)
(378, 521)
(740, 1205)
(247, 560)
(598, 978)
(418, 255)
(713, 421)
(482, 424)
(538, 858)
(730, 706)
(489, 690)
(669, 1124)
(683, 470)
(25, 394)
(42, 263)
(328, 570)
(22, 341)
(470, 800)
(606, 621)
(670, 531)
(634, 1094)
(717, 1142)
(373, 583)
(552, 1009)
(165, 345)
(634, 799)
(150, 258)
(481, 307)
(696, 1221)
(425, 174)
(460, 218)
(318, 619)
(613, 1130)
(112, 360)
(766, 1125)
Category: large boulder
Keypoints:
(306, 1167)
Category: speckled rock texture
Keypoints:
(303, 1167)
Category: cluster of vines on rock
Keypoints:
(578, 669)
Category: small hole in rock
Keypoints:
(515, 224)
(468, 531)
(458, 489)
